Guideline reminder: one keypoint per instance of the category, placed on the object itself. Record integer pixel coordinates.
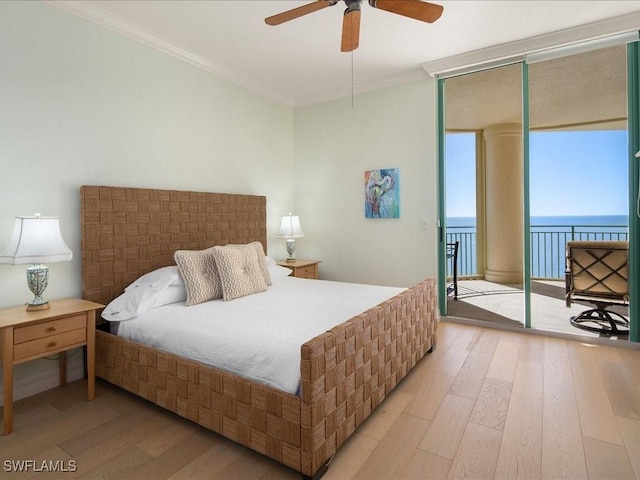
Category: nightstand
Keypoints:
(24, 336)
(302, 268)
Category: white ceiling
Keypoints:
(300, 62)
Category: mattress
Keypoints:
(258, 336)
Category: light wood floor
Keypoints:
(486, 404)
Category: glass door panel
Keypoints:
(484, 193)
(578, 172)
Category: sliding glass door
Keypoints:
(578, 172)
(553, 148)
(483, 184)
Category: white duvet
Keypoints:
(258, 336)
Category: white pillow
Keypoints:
(270, 261)
(162, 276)
(136, 301)
(277, 271)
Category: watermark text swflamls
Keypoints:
(40, 466)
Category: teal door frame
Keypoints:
(633, 125)
(526, 194)
(442, 218)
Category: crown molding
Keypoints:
(100, 17)
(477, 59)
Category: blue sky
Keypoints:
(572, 173)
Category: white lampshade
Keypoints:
(290, 227)
(35, 240)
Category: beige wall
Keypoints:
(82, 105)
(335, 142)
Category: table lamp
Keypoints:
(290, 229)
(36, 240)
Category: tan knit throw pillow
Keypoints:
(261, 256)
(239, 271)
(200, 275)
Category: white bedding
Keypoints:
(258, 336)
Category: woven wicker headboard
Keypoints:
(127, 232)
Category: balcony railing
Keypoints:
(548, 244)
(467, 266)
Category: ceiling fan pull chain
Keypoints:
(351, 79)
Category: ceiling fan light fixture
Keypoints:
(352, 5)
(416, 9)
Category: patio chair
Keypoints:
(597, 272)
(452, 253)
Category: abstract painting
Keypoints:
(382, 193)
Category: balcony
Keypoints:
(504, 304)
(547, 246)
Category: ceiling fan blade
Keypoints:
(350, 30)
(423, 11)
(299, 11)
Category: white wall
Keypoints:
(82, 105)
(335, 143)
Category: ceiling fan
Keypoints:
(417, 9)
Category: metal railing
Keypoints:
(548, 244)
(467, 266)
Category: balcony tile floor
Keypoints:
(504, 304)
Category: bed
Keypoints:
(345, 372)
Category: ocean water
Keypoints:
(549, 236)
(584, 220)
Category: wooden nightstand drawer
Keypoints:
(307, 272)
(302, 268)
(47, 329)
(50, 344)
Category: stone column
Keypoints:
(504, 203)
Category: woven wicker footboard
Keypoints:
(346, 372)
(262, 418)
(349, 370)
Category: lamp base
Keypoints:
(37, 280)
(38, 307)
(291, 250)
